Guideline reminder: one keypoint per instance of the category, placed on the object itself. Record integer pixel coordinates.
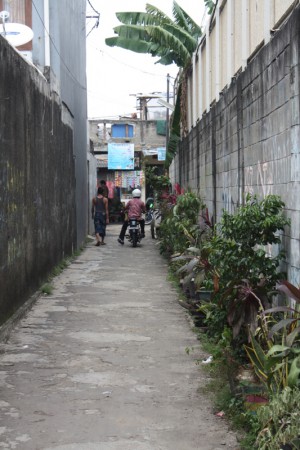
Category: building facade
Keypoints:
(144, 138)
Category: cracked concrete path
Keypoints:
(101, 363)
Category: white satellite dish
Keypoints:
(16, 33)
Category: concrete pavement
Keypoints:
(101, 363)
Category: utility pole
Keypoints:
(167, 111)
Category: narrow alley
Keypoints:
(101, 363)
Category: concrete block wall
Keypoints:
(37, 181)
(250, 140)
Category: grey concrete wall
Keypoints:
(72, 48)
(67, 76)
(250, 140)
(37, 180)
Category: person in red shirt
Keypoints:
(134, 208)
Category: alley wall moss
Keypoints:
(37, 181)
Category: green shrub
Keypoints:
(279, 421)
(180, 223)
(47, 288)
(246, 273)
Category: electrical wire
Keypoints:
(95, 26)
(98, 18)
(128, 65)
(93, 8)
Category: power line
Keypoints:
(93, 17)
(95, 26)
(93, 8)
(128, 65)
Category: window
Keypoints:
(122, 130)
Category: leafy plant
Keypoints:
(180, 225)
(210, 4)
(247, 274)
(159, 184)
(153, 32)
(277, 359)
(47, 288)
(279, 421)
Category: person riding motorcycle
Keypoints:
(134, 208)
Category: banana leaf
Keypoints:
(157, 13)
(139, 18)
(185, 21)
(129, 44)
(187, 40)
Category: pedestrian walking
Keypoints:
(104, 187)
(100, 216)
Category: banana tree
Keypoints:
(172, 41)
(153, 32)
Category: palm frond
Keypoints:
(184, 36)
(168, 59)
(158, 34)
(129, 44)
(168, 41)
(137, 18)
(179, 16)
(160, 15)
(164, 44)
(185, 21)
(210, 5)
(132, 32)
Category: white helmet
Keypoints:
(136, 193)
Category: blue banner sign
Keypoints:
(120, 156)
(161, 153)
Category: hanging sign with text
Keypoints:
(120, 156)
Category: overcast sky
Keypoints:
(114, 73)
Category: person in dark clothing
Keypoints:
(134, 208)
(104, 187)
(100, 216)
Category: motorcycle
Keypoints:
(134, 229)
(149, 210)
